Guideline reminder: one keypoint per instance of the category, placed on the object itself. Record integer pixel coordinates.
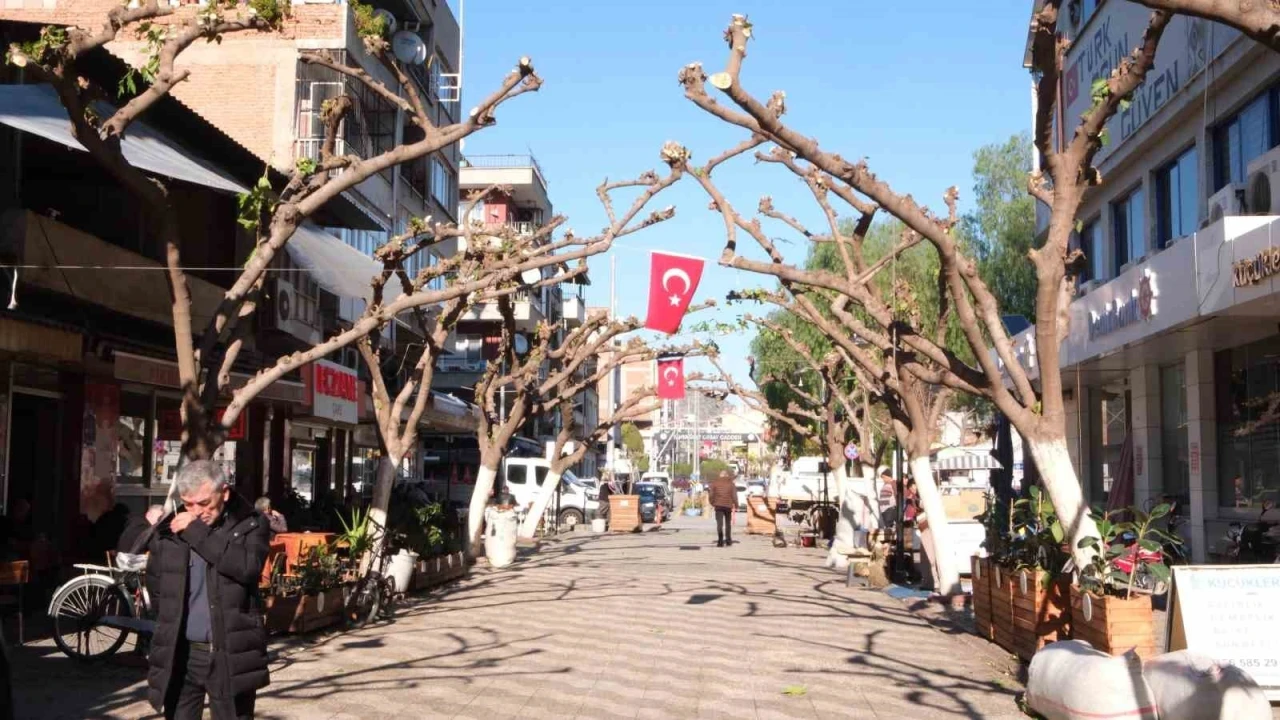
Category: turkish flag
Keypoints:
(670, 378)
(672, 282)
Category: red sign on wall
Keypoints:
(334, 392)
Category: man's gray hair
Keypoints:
(196, 473)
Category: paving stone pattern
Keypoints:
(655, 625)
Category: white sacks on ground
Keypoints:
(1191, 686)
(1069, 680)
(500, 531)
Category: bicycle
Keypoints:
(94, 613)
(373, 595)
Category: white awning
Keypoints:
(36, 109)
(339, 269)
(967, 461)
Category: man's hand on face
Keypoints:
(181, 521)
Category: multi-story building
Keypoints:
(523, 205)
(1174, 346)
(257, 95)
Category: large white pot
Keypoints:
(599, 525)
(401, 569)
(501, 528)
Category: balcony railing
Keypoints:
(505, 161)
(368, 130)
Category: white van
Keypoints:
(524, 476)
(661, 478)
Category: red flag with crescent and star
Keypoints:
(672, 282)
(671, 378)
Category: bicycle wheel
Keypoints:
(365, 601)
(78, 610)
(387, 597)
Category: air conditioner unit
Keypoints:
(1228, 201)
(1262, 194)
(281, 313)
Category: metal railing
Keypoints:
(505, 161)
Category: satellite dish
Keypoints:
(408, 48)
(521, 344)
(389, 20)
(531, 276)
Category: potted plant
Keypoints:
(1040, 591)
(995, 523)
(311, 597)
(691, 507)
(1111, 608)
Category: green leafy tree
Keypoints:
(1002, 227)
(633, 443)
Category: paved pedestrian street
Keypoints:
(656, 625)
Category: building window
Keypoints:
(444, 184)
(1241, 139)
(1127, 216)
(1246, 380)
(1173, 432)
(1091, 244)
(1177, 203)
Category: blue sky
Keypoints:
(913, 87)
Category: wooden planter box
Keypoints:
(1113, 624)
(1002, 586)
(980, 572)
(760, 515)
(624, 513)
(1041, 612)
(438, 570)
(303, 613)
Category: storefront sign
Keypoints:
(169, 425)
(1224, 611)
(1257, 268)
(709, 436)
(1122, 312)
(1193, 458)
(1111, 36)
(334, 392)
(150, 371)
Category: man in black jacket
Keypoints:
(209, 638)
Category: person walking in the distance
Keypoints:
(209, 638)
(723, 496)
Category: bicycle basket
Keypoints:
(130, 562)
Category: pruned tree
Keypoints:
(488, 267)
(586, 356)
(1259, 20)
(207, 355)
(511, 390)
(914, 355)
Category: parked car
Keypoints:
(741, 485)
(651, 496)
(522, 477)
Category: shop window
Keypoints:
(1109, 434)
(1176, 470)
(1129, 228)
(166, 444)
(1246, 383)
(1244, 137)
(1177, 202)
(132, 438)
(302, 471)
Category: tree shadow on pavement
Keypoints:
(48, 684)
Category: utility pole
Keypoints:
(697, 447)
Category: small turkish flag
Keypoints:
(670, 378)
(672, 282)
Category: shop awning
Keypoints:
(338, 268)
(967, 461)
(36, 109)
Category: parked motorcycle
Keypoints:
(1256, 542)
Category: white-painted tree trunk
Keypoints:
(479, 499)
(384, 482)
(1063, 485)
(866, 497)
(546, 494)
(845, 523)
(937, 540)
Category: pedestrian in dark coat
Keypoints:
(209, 638)
(723, 495)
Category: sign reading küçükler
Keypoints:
(1229, 612)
